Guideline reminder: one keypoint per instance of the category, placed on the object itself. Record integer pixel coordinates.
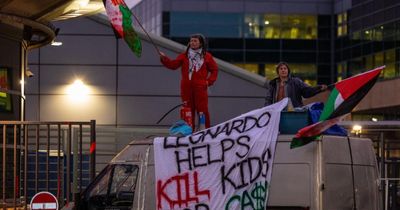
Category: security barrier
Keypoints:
(58, 157)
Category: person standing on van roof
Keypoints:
(198, 71)
(285, 85)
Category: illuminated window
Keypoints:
(377, 34)
(369, 62)
(253, 24)
(344, 29)
(356, 35)
(390, 59)
(341, 71)
(367, 35)
(340, 31)
(387, 58)
(379, 59)
(306, 72)
(270, 71)
(299, 27)
(341, 24)
(273, 26)
(253, 68)
(373, 34)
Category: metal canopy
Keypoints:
(33, 17)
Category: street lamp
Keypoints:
(78, 91)
(357, 129)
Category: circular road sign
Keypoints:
(44, 200)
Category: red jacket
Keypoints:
(198, 78)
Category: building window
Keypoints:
(356, 66)
(253, 68)
(235, 25)
(273, 26)
(306, 72)
(299, 27)
(253, 24)
(342, 24)
(390, 62)
(270, 71)
(341, 71)
(365, 63)
(369, 62)
(379, 59)
(226, 25)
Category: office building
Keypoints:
(323, 40)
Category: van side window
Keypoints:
(124, 179)
(101, 188)
(116, 188)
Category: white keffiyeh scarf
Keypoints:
(196, 60)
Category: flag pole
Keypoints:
(331, 86)
(151, 40)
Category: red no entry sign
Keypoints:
(44, 200)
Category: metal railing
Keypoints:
(389, 199)
(58, 157)
(386, 139)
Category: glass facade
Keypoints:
(257, 42)
(372, 40)
(225, 25)
(323, 48)
(368, 46)
(273, 26)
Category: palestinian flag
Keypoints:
(345, 95)
(120, 17)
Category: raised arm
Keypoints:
(308, 91)
(171, 64)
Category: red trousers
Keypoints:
(196, 97)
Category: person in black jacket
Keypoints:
(286, 85)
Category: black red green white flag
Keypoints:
(345, 95)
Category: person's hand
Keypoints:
(324, 87)
(162, 55)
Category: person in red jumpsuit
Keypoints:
(198, 71)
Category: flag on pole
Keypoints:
(345, 95)
(120, 17)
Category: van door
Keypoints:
(350, 174)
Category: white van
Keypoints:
(335, 173)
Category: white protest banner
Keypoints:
(228, 166)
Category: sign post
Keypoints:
(44, 200)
